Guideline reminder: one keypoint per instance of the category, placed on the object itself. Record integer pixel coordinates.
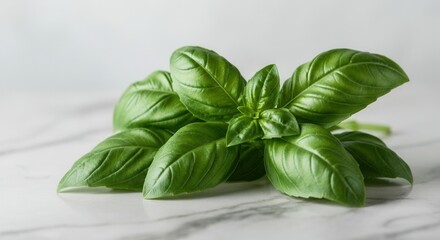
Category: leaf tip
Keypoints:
(232, 143)
(151, 194)
(70, 181)
(146, 195)
(65, 186)
(61, 188)
(409, 178)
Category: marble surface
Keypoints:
(42, 133)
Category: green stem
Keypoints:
(357, 126)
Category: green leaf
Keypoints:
(194, 159)
(357, 126)
(250, 165)
(151, 103)
(314, 164)
(278, 123)
(120, 161)
(243, 129)
(375, 159)
(337, 84)
(246, 111)
(262, 89)
(208, 85)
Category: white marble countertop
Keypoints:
(43, 133)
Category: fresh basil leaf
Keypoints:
(375, 159)
(278, 122)
(358, 126)
(314, 164)
(262, 89)
(250, 164)
(120, 161)
(208, 85)
(337, 84)
(151, 103)
(246, 111)
(243, 129)
(195, 158)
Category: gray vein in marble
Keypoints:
(104, 224)
(42, 228)
(411, 230)
(400, 233)
(187, 228)
(52, 143)
(218, 209)
(430, 175)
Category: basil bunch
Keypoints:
(203, 124)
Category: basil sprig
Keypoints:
(202, 124)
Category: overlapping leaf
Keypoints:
(277, 123)
(314, 164)
(337, 84)
(250, 164)
(120, 161)
(375, 159)
(262, 89)
(209, 86)
(151, 103)
(195, 158)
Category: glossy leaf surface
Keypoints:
(195, 158)
(314, 164)
(337, 84)
(243, 129)
(262, 89)
(208, 85)
(278, 122)
(120, 161)
(375, 159)
(151, 103)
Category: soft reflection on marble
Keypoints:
(387, 190)
(34, 156)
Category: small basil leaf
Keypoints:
(195, 158)
(375, 159)
(246, 111)
(151, 102)
(337, 84)
(314, 164)
(243, 129)
(250, 165)
(262, 89)
(278, 122)
(120, 161)
(208, 85)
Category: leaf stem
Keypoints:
(357, 126)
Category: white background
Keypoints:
(58, 44)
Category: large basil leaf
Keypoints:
(250, 164)
(151, 102)
(375, 159)
(243, 129)
(208, 85)
(278, 122)
(314, 164)
(262, 89)
(194, 159)
(120, 161)
(337, 84)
